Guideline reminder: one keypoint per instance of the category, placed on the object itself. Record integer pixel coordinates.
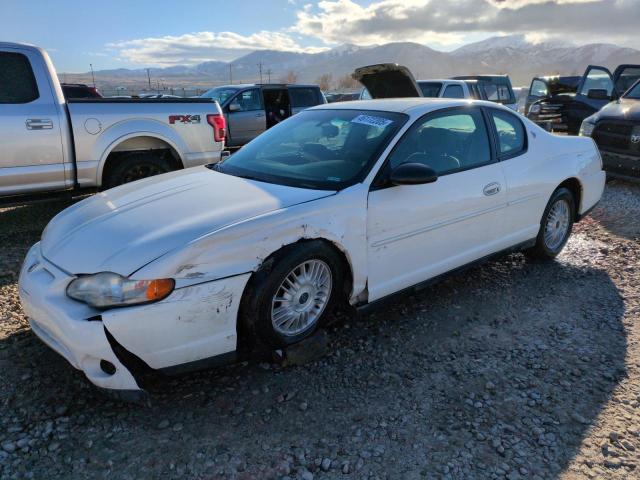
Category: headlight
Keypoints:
(535, 108)
(586, 129)
(106, 289)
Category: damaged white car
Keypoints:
(343, 202)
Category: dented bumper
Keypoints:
(194, 323)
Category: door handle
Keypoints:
(259, 115)
(491, 189)
(39, 124)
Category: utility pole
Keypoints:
(269, 76)
(230, 75)
(92, 76)
(260, 69)
(149, 79)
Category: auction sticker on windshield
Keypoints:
(372, 121)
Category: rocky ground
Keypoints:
(514, 370)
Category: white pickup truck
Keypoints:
(50, 144)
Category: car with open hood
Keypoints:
(561, 103)
(344, 203)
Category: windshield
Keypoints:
(220, 94)
(634, 92)
(319, 149)
(430, 89)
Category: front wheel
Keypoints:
(292, 294)
(555, 226)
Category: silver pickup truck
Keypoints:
(51, 144)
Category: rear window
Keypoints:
(497, 90)
(430, 89)
(17, 82)
(453, 91)
(304, 97)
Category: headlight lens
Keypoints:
(107, 289)
(586, 129)
(535, 108)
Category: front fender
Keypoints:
(243, 247)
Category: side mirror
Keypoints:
(234, 107)
(598, 94)
(413, 174)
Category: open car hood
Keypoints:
(388, 80)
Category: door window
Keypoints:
(538, 88)
(430, 89)
(511, 133)
(248, 101)
(447, 142)
(597, 78)
(303, 97)
(627, 78)
(453, 91)
(17, 82)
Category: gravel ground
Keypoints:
(511, 370)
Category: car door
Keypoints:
(537, 91)
(624, 77)
(31, 149)
(525, 180)
(595, 90)
(246, 117)
(416, 232)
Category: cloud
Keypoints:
(434, 21)
(192, 48)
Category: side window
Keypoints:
(447, 142)
(453, 91)
(597, 78)
(303, 97)
(538, 89)
(511, 133)
(249, 100)
(17, 82)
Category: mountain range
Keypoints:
(512, 55)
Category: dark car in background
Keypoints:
(79, 90)
(564, 107)
(250, 109)
(616, 131)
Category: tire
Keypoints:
(549, 245)
(135, 166)
(260, 312)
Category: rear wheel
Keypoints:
(292, 294)
(136, 166)
(556, 225)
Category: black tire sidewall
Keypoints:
(115, 176)
(559, 194)
(255, 311)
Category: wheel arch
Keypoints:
(575, 187)
(138, 141)
(337, 248)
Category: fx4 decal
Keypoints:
(173, 119)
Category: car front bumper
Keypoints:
(193, 325)
(67, 326)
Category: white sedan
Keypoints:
(347, 202)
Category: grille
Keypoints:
(616, 136)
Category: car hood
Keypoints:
(127, 227)
(623, 109)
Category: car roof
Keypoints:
(406, 105)
(275, 85)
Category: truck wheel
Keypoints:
(135, 166)
(555, 226)
(291, 295)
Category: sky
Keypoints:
(145, 33)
